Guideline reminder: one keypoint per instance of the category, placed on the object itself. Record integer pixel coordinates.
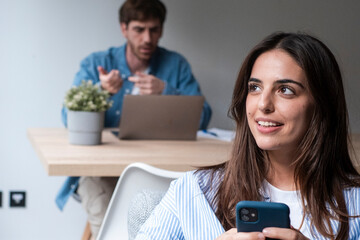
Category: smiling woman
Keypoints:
(291, 146)
(292, 138)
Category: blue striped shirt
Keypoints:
(187, 211)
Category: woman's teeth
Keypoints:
(267, 124)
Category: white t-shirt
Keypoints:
(293, 200)
(136, 90)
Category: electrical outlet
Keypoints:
(17, 198)
(0, 199)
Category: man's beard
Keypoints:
(139, 55)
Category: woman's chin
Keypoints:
(267, 145)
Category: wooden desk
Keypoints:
(111, 157)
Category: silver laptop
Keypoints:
(160, 117)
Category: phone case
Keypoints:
(269, 214)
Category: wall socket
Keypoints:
(17, 199)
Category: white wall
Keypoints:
(215, 36)
(43, 41)
(41, 44)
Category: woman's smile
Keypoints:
(267, 126)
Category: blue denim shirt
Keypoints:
(166, 65)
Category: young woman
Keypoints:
(291, 146)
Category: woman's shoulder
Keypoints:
(202, 184)
(352, 198)
(204, 178)
(352, 192)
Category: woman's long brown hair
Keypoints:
(323, 168)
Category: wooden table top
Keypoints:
(111, 157)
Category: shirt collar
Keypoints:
(264, 194)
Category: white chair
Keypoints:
(135, 178)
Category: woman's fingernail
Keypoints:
(265, 231)
(261, 236)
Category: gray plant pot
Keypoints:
(84, 128)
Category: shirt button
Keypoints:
(123, 76)
(117, 112)
(127, 91)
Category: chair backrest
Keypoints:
(135, 178)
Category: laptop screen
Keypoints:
(160, 117)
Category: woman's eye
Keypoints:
(287, 91)
(253, 88)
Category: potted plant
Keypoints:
(86, 106)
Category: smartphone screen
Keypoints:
(254, 216)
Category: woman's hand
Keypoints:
(283, 233)
(277, 233)
(234, 234)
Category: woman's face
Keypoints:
(279, 103)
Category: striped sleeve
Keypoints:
(183, 213)
(352, 197)
(163, 222)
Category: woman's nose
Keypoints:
(266, 104)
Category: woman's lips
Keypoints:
(266, 126)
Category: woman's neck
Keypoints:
(281, 172)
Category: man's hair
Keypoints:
(142, 10)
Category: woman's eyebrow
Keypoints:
(254, 80)
(280, 81)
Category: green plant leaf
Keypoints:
(87, 97)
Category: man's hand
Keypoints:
(111, 81)
(148, 84)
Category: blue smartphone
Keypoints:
(254, 216)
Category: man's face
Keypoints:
(142, 37)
